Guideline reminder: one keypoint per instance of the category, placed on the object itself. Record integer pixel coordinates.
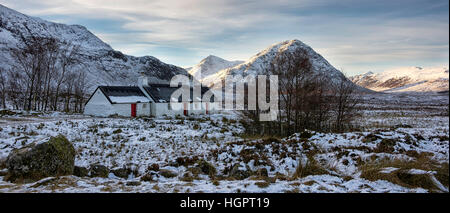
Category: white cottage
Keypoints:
(121, 100)
(143, 100)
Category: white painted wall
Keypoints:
(98, 105)
(142, 109)
(159, 109)
(122, 109)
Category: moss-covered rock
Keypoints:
(167, 173)
(80, 171)
(55, 157)
(121, 172)
(98, 170)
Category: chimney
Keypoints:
(143, 80)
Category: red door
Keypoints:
(133, 110)
(185, 109)
(206, 107)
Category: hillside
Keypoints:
(103, 64)
(408, 79)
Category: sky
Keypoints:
(355, 36)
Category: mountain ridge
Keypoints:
(406, 79)
(259, 64)
(102, 64)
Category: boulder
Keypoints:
(98, 170)
(167, 173)
(54, 157)
(80, 171)
(240, 172)
(153, 167)
(133, 183)
(147, 177)
(122, 172)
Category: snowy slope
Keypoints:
(103, 65)
(407, 79)
(259, 63)
(210, 65)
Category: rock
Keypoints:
(80, 171)
(147, 177)
(167, 173)
(239, 172)
(133, 183)
(153, 167)
(98, 170)
(55, 157)
(262, 172)
(122, 172)
(206, 167)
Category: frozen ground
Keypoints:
(402, 146)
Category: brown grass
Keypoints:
(371, 171)
(312, 167)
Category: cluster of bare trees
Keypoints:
(307, 99)
(43, 78)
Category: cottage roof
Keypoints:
(160, 93)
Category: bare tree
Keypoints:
(3, 87)
(43, 72)
(67, 60)
(308, 99)
(345, 101)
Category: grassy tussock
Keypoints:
(371, 171)
(312, 167)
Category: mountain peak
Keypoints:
(211, 65)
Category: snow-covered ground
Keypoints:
(401, 135)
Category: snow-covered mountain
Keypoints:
(407, 79)
(259, 64)
(209, 66)
(103, 65)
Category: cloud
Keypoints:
(351, 34)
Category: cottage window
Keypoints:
(144, 106)
(168, 106)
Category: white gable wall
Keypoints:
(98, 105)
